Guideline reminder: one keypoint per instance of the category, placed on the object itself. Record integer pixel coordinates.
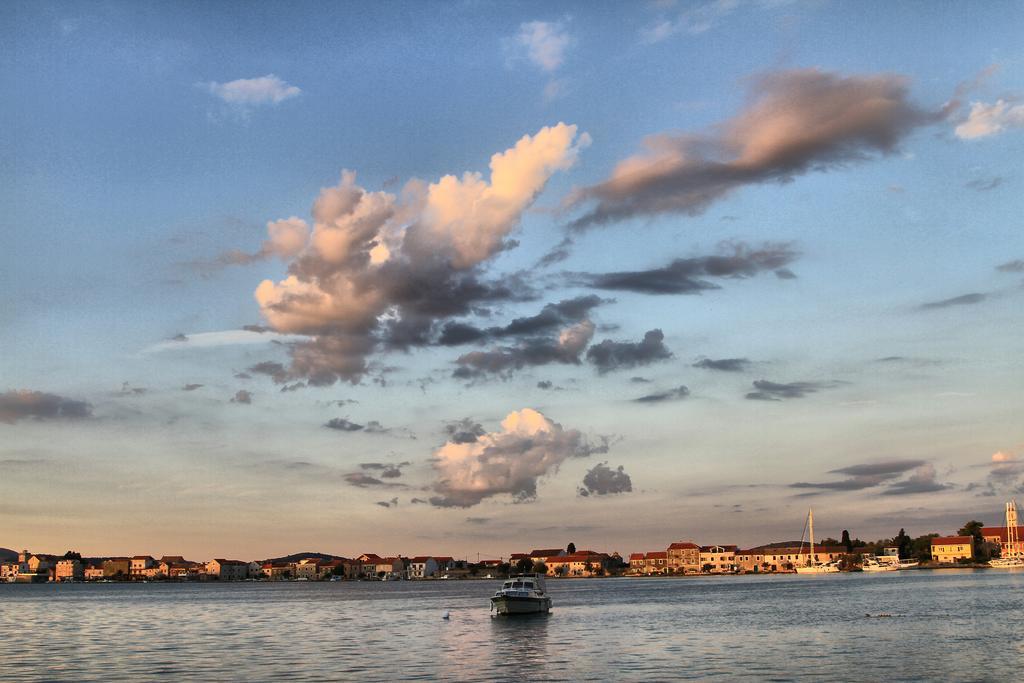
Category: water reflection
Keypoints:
(759, 628)
(520, 643)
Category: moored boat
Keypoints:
(522, 594)
(813, 566)
(1013, 557)
(872, 564)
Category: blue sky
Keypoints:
(836, 184)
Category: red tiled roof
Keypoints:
(997, 531)
(636, 556)
(684, 546)
(518, 556)
(725, 548)
(545, 553)
(579, 557)
(953, 540)
(657, 555)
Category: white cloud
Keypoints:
(543, 43)
(206, 340)
(267, 89)
(988, 119)
(383, 268)
(696, 19)
(511, 460)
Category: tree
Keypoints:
(707, 568)
(903, 542)
(524, 565)
(504, 568)
(570, 549)
(973, 529)
(846, 541)
(921, 547)
(72, 555)
(540, 568)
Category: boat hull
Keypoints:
(1007, 563)
(509, 604)
(820, 569)
(881, 568)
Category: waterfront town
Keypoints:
(975, 545)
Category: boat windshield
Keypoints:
(528, 584)
(517, 584)
(507, 584)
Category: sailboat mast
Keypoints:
(810, 524)
(1012, 539)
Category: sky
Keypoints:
(471, 278)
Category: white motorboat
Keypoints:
(1014, 555)
(813, 566)
(522, 594)
(871, 564)
(908, 564)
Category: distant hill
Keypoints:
(8, 555)
(295, 557)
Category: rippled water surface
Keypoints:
(947, 625)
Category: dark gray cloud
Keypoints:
(363, 480)
(776, 391)
(418, 501)
(259, 329)
(602, 480)
(1015, 266)
(180, 337)
(242, 396)
(679, 392)
(864, 476)
(387, 470)
(552, 318)
(38, 405)
(785, 274)
(687, 275)
(388, 503)
(557, 254)
(872, 469)
(342, 424)
(191, 387)
(464, 431)
(128, 390)
(984, 184)
(545, 384)
(612, 355)
(963, 300)
(795, 122)
(503, 361)
(477, 520)
(923, 480)
(270, 368)
(640, 380)
(723, 364)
